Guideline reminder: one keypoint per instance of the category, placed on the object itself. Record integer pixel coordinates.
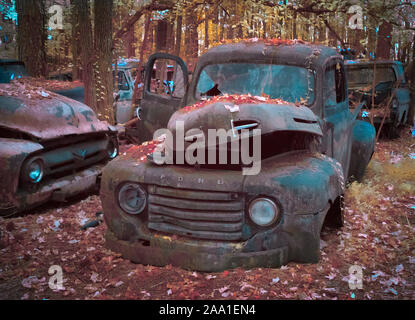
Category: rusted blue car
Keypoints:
(390, 84)
(212, 218)
(51, 148)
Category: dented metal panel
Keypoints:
(48, 118)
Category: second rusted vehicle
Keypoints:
(390, 103)
(212, 218)
(51, 147)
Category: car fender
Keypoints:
(363, 146)
(302, 182)
(13, 153)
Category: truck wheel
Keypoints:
(335, 215)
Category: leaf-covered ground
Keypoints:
(378, 236)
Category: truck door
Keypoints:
(338, 119)
(165, 84)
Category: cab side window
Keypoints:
(329, 87)
(334, 85)
(122, 81)
(167, 79)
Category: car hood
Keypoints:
(48, 117)
(267, 117)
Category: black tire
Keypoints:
(335, 215)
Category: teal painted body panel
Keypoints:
(363, 140)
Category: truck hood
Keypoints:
(267, 117)
(47, 117)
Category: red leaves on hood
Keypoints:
(235, 99)
(141, 152)
(51, 85)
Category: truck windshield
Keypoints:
(289, 83)
(357, 76)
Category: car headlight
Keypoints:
(33, 170)
(263, 212)
(112, 148)
(132, 198)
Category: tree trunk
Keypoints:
(191, 38)
(371, 38)
(170, 37)
(86, 52)
(384, 41)
(150, 45)
(31, 36)
(321, 34)
(216, 22)
(222, 27)
(130, 40)
(143, 51)
(295, 25)
(206, 29)
(411, 114)
(76, 38)
(161, 36)
(103, 66)
(161, 45)
(178, 35)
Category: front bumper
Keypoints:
(296, 239)
(62, 188)
(188, 258)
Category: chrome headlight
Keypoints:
(112, 148)
(33, 170)
(263, 212)
(132, 198)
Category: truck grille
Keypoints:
(196, 214)
(62, 161)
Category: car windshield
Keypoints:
(358, 76)
(11, 71)
(289, 83)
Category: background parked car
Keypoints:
(389, 80)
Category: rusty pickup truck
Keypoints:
(51, 147)
(213, 217)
